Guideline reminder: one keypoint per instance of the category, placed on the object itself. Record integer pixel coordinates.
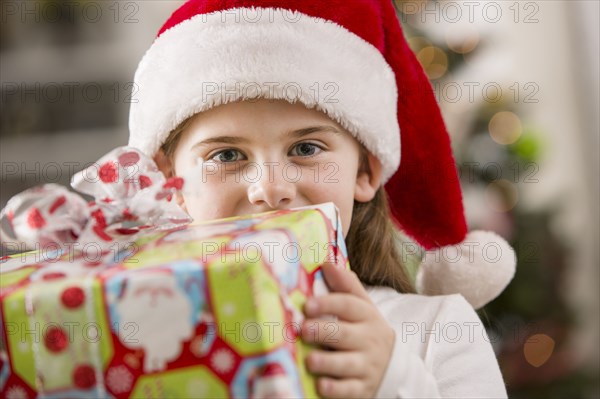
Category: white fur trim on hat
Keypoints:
(479, 268)
(245, 53)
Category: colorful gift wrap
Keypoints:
(208, 310)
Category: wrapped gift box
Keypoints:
(211, 310)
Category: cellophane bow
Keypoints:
(130, 196)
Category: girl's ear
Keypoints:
(164, 163)
(368, 180)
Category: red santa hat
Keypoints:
(348, 59)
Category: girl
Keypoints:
(263, 105)
(311, 100)
(295, 92)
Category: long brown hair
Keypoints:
(372, 240)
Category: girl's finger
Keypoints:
(345, 306)
(333, 334)
(335, 364)
(344, 388)
(343, 280)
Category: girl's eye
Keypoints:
(306, 149)
(227, 156)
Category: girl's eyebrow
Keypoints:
(293, 133)
(221, 140)
(313, 129)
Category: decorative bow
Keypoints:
(131, 195)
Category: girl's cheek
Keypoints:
(323, 172)
(208, 200)
(192, 177)
(198, 176)
(207, 182)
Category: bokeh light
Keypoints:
(538, 348)
(434, 60)
(529, 146)
(416, 43)
(462, 41)
(505, 127)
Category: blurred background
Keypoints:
(518, 82)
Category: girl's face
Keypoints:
(250, 157)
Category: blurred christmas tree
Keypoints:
(496, 154)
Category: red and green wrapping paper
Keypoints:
(211, 310)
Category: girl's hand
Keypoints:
(361, 339)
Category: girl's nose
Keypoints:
(274, 191)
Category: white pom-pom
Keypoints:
(479, 268)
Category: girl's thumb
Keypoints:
(343, 280)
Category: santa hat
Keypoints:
(348, 59)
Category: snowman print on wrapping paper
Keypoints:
(148, 300)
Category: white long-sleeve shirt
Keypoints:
(441, 348)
